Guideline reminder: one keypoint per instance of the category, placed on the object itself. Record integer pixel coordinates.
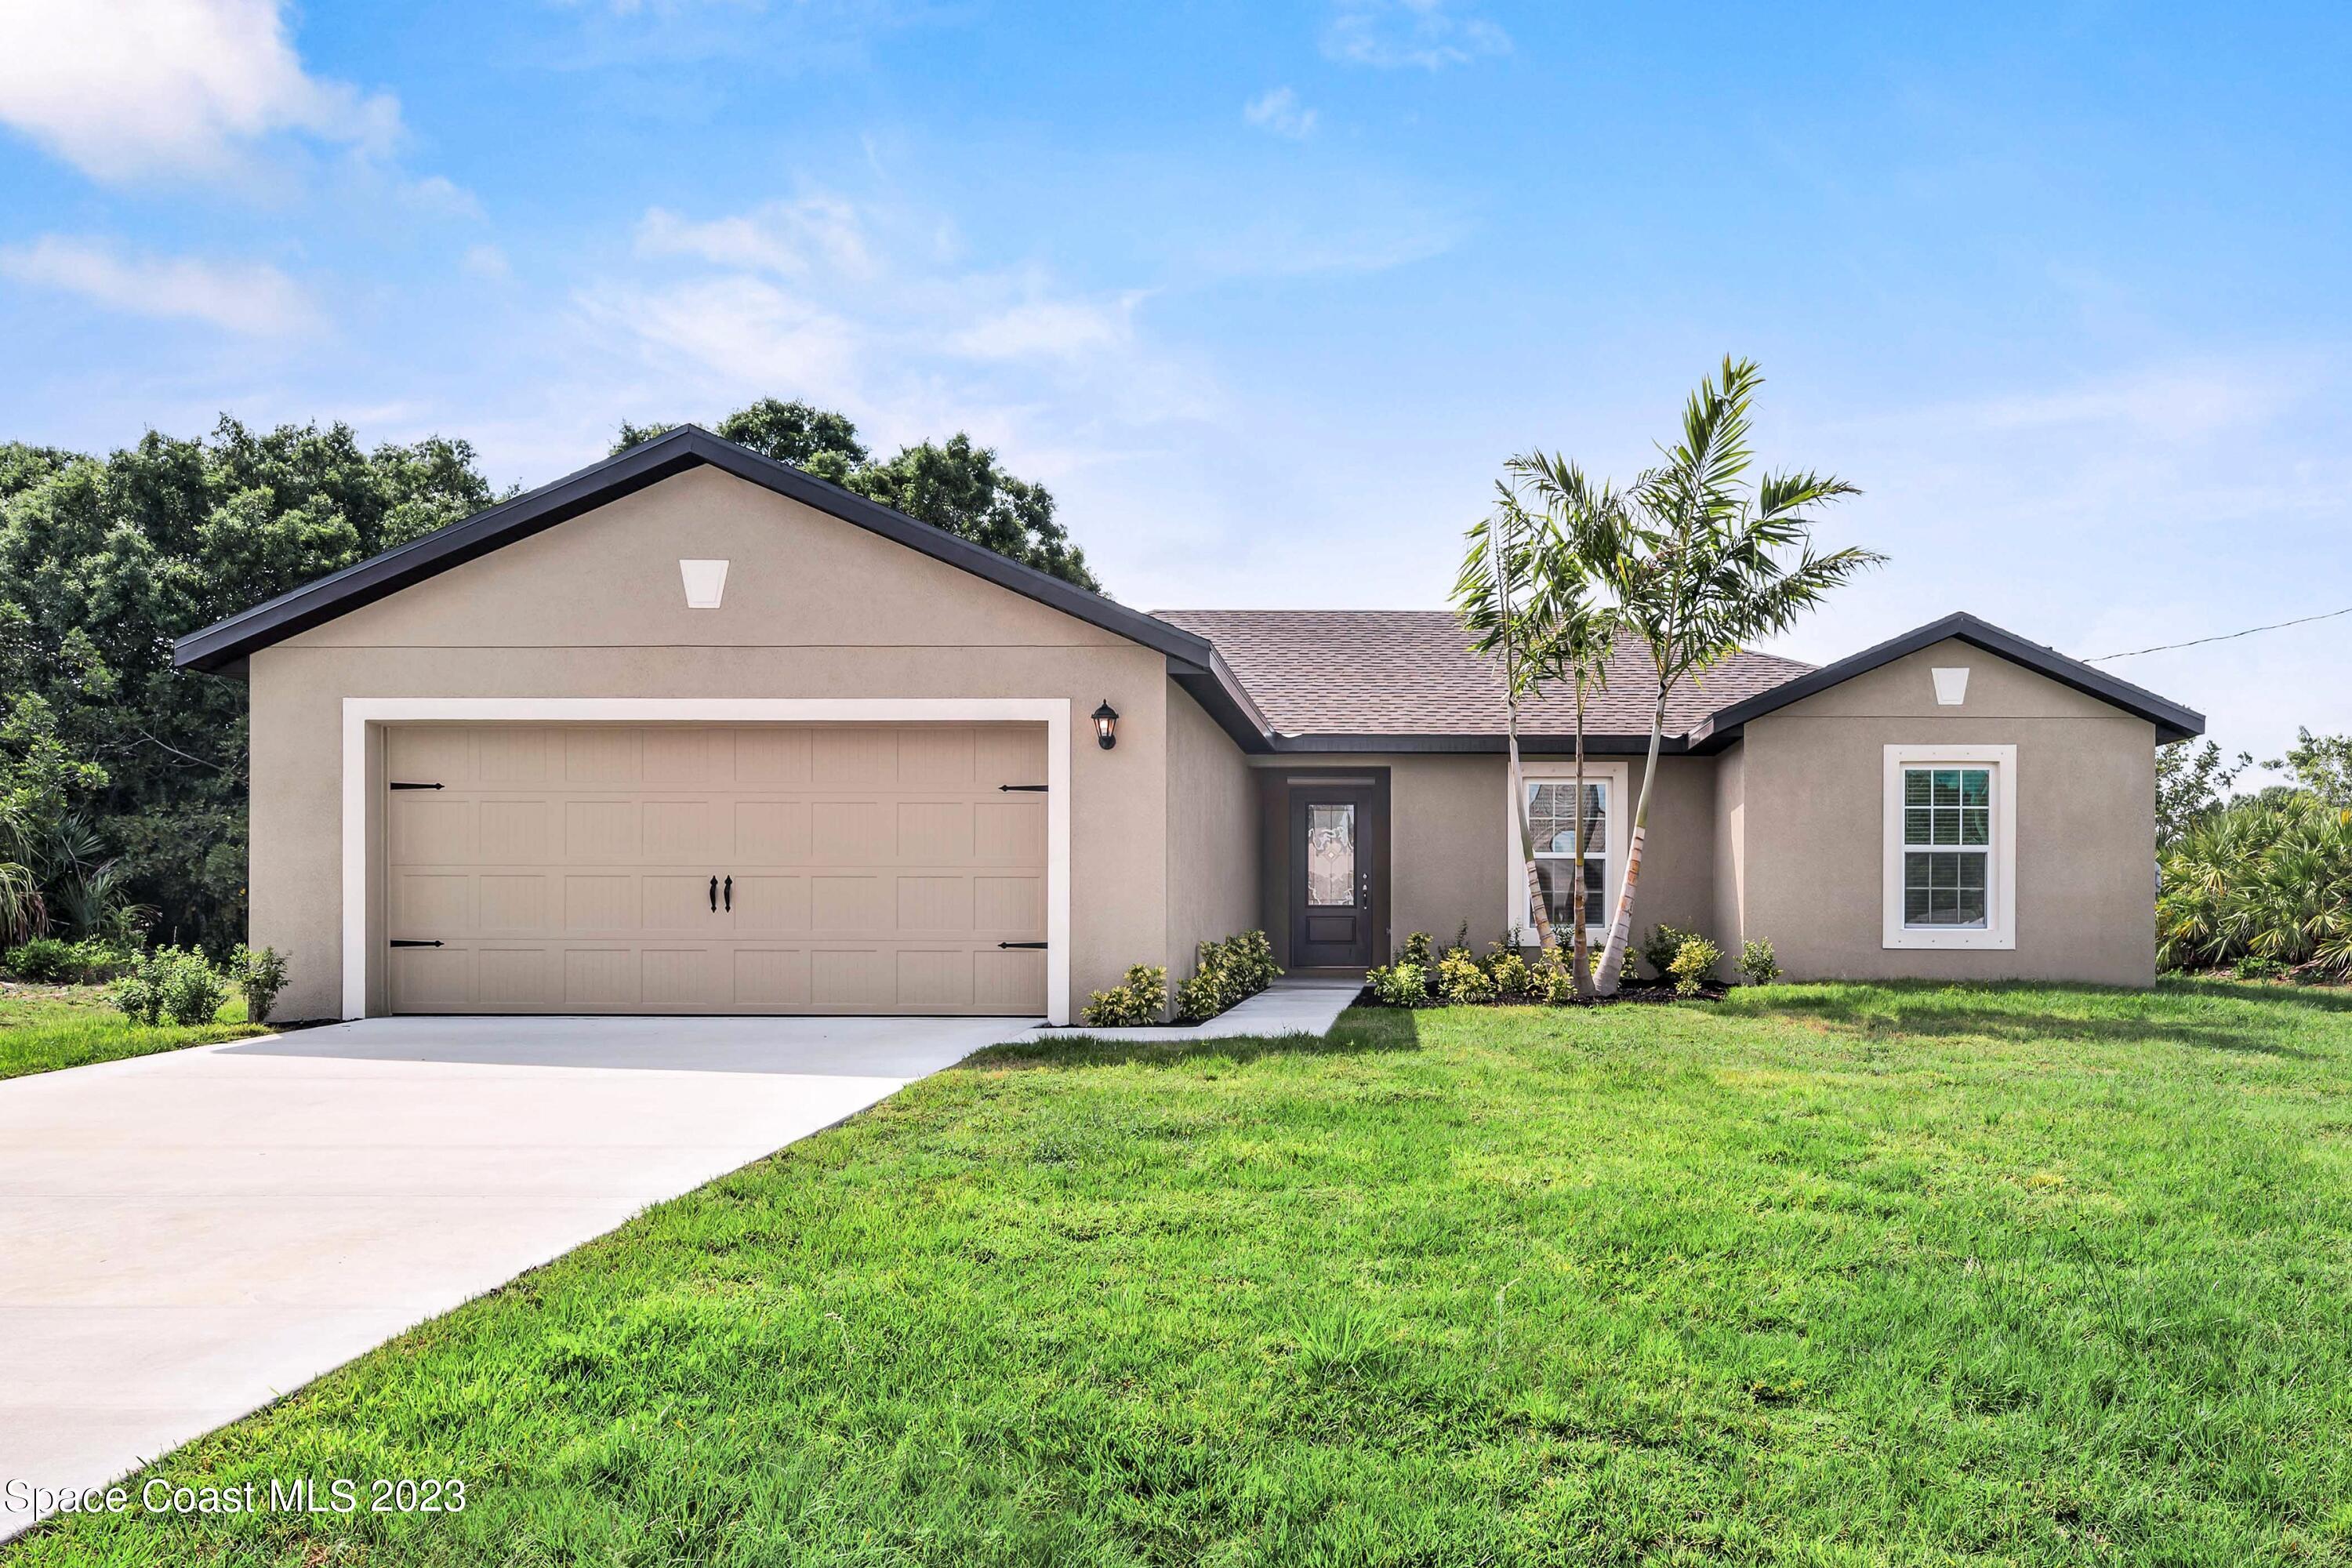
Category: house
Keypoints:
(692, 731)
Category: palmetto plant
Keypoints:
(1704, 572)
(2267, 878)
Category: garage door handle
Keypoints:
(397, 785)
(730, 895)
(1020, 944)
(1022, 789)
(714, 895)
(401, 941)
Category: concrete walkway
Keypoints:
(1292, 1006)
(185, 1237)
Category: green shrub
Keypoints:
(2253, 966)
(1693, 965)
(173, 983)
(1554, 978)
(56, 961)
(1400, 985)
(1139, 1000)
(1461, 981)
(1658, 949)
(1514, 977)
(1757, 967)
(260, 975)
(139, 996)
(1419, 951)
(2266, 879)
(1228, 972)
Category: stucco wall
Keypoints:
(813, 607)
(1212, 835)
(1731, 850)
(2085, 824)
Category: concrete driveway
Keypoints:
(185, 1237)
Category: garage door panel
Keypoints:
(602, 903)
(772, 904)
(567, 868)
(517, 832)
(601, 832)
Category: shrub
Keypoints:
(2267, 878)
(139, 996)
(1658, 949)
(1693, 965)
(1139, 1000)
(56, 961)
(2253, 966)
(1757, 967)
(194, 991)
(1400, 985)
(1554, 979)
(1461, 981)
(260, 975)
(1419, 951)
(1514, 978)
(1228, 972)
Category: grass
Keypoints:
(1814, 1275)
(44, 1027)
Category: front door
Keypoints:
(1333, 830)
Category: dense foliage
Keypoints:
(2263, 885)
(122, 781)
(1227, 973)
(954, 485)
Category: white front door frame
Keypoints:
(1053, 712)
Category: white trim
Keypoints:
(1999, 929)
(1053, 712)
(1615, 839)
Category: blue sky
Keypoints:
(1267, 293)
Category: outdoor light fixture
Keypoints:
(1107, 725)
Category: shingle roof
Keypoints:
(1407, 672)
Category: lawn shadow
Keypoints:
(1360, 1031)
(1930, 1010)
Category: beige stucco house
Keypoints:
(691, 732)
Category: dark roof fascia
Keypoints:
(222, 645)
(2172, 721)
(1529, 745)
(1224, 698)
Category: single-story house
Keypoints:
(692, 731)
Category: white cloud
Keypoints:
(1277, 109)
(786, 237)
(1048, 329)
(252, 299)
(438, 197)
(486, 261)
(1430, 34)
(125, 89)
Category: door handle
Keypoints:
(714, 895)
(730, 895)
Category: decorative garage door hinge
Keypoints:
(397, 785)
(403, 941)
(1020, 944)
(1022, 789)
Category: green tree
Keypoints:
(1704, 572)
(1492, 599)
(103, 562)
(2320, 764)
(2190, 783)
(956, 485)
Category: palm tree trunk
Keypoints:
(1537, 910)
(1580, 963)
(1621, 929)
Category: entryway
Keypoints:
(1334, 853)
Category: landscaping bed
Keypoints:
(44, 1027)
(1836, 1273)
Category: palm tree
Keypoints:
(1491, 598)
(1703, 575)
(1574, 556)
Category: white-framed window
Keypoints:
(1550, 788)
(1950, 855)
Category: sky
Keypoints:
(1268, 293)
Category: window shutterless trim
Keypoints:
(1552, 770)
(1999, 929)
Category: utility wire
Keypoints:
(2225, 636)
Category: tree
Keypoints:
(956, 485)
(1703, 573)
(2189, 784)
(1575, 555)
(104, 561)
(2320, 764)
(1493, 601)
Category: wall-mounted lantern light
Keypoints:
(1107, 725)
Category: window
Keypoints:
(1951, 847)
(1551, 814)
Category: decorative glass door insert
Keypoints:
(1331, 856)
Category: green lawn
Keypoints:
(44, 1027)
(1817, 1275)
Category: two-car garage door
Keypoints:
(715, 869)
